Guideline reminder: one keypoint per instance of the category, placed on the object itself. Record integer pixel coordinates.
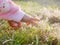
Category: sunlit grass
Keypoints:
(40, 34)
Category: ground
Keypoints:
(43, 33)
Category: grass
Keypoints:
(40, 34)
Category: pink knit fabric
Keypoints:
(13, 9)
(0, 1)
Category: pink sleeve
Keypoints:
(9, 0)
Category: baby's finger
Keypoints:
(27, 23)
(32, 23)
(35, 19)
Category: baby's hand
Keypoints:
(29, 20)
(32, 21)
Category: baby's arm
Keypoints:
(19, 17)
